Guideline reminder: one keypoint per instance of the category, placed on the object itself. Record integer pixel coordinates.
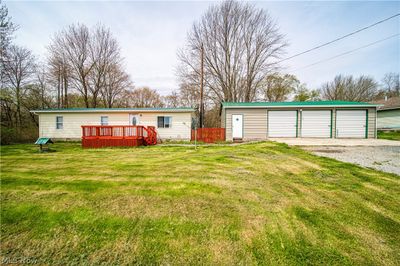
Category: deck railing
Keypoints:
(116, 135)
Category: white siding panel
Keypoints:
(180, 129)
(254, 123)
(389, 119)
(372, 123)
(350, 123)
(282, 124)
(316, 124)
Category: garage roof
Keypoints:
(298, 104)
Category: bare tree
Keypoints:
(106, 58)
(391, 84)
(73, 45)
(278, 87)
(173, 100)
(189, 95)
(59, 74)
(41, 87)
(90, 61)
(241, 44)
(19, 70)
(348, 88)
(7, 108)
(143, 97)
(7, 29)
(116, 82)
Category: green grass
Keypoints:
(392, 135)
(262, 203)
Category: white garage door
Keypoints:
(351, 123)
(282, 124)
(316, 124)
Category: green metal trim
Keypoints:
(267, 123)
(242, 126)
(297, 123)
(366, 126)
(331, 122)
(225, 123)
(288, 104)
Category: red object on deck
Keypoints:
(209, 135)
(113, 136)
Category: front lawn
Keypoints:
(262, 203)
(392, 135)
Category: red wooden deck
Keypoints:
(209, 135)
(112, 136)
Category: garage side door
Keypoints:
(351, 123)
(282, 124)
(316, 124)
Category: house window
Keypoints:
(134, 121)
(164, 121)
(104, 120)
(59, 122)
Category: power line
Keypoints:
(340, 38)
(348, 52)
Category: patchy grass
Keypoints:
(392, 135)
(263, 203)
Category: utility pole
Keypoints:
(201, 86)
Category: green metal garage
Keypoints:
(320, 119)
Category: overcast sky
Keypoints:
(150, 34)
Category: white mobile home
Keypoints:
(65, 124)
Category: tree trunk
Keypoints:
(65, 91)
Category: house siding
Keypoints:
(223, 118)
(254, 123)
(371, 123)
(389, 119)
(72, 123)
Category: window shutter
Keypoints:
(160, 121)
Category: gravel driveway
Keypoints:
(384, 158)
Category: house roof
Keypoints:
(297, 104)
(388, 104)
(115, 110)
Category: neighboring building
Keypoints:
(322, 119)
(65, 124)
(389, 114)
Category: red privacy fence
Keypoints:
(110, 136)
(209, 135)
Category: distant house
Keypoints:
(65, 124)
(389, 114)
(321, 119)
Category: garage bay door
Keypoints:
(282, 124)
(351, 123)
(316, 124)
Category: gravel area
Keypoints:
(383, 158)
